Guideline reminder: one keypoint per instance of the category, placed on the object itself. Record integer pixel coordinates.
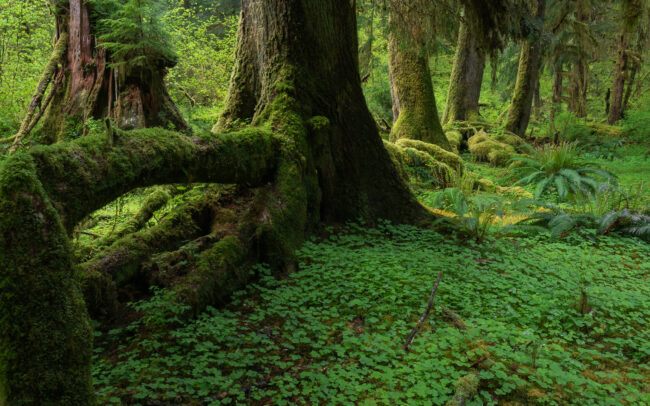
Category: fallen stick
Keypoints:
(424, 315)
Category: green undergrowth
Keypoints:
(549, 323)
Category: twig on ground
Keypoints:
(425, 314)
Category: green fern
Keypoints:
(560, 169)
(475, 216)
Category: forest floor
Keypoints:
(537, 319)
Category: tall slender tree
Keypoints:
(633, 14)
(466, 75)
(529, 64)
(415, 114)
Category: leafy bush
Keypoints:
(635, 124)
(560, 169)
(570, 127)
(206, 54)
(626, 221)
(559, 222)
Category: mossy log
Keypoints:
(436, 152)
(605, 129)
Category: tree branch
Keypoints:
(424, 315)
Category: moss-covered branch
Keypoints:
(86, 174)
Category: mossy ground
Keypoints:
(333, 331)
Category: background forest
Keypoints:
(542, 217)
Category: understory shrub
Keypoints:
(560, 169)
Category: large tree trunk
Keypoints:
(87, 88)
(414, 104)
(297, 74)
(617, 89)
(529, 62)
(466, 78)
(313, 74)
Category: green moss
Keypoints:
(86, 174)
(464, 389)
(509, 138)
(455, 139)
(413, 90)
(220, 271)
(46, 340)
(486, 148)
(438, 153)
(499, 157)
(397, 158)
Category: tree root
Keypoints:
(155, 201)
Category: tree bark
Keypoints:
(616, 95)
(557, 94)
(324, 162)
(89, 89)
(414, 103)
(466, 78)
(529, 62)
(578, 89)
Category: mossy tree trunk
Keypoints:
(529, 63)
(556, 98)
(578, 88)
(314, 153)
(86, 87)
(414, 103)
(466, 78)
(617, 89)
